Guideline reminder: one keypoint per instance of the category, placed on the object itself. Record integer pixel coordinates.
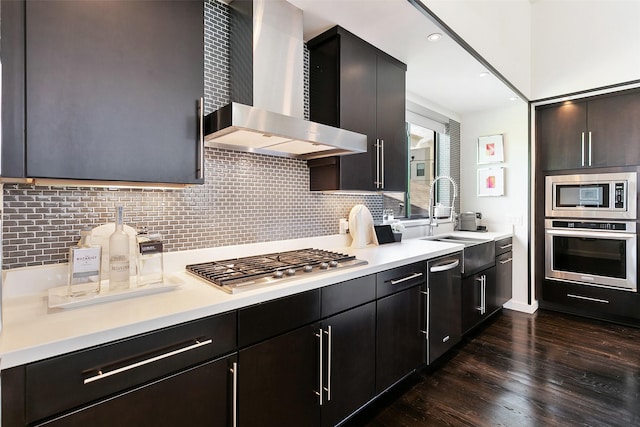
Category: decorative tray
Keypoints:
(58, 297)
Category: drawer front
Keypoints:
(504, 245)
(65, 382)
(591, 300)
(398, 279)
(345, 295)
(271, 318)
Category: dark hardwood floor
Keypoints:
(545, 369)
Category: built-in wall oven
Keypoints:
(590, 252)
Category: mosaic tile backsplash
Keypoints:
(246, 198)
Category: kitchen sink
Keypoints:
(477, 255)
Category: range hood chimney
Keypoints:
(267, 89)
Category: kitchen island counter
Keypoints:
(31, 331)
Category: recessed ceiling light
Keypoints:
(434, 37)
(513, 98)
(484, 74)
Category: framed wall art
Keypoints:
(490, 149)
(491, 182)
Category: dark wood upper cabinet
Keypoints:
(601, 131)
(109, 90)
(357, 87)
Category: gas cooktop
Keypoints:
(247, 273)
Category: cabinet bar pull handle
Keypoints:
(200, 172)
(480, 280)
(382, 164)
(506, 246)
(102, 375)
(377, 183)
(589, 148)
(404, 279)
(506, 261)
(320, 388)
(582, 149)
(445, 267)
(328, 388)
(234, 416)
(484, 294)
(604, 301)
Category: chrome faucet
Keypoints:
(432, 220)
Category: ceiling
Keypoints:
(441, 73)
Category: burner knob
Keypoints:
(324, 265)
(333, 263)
(291, 272)
(308, 268)
(278, 274)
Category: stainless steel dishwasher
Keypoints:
(443, 293)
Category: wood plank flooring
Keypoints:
(545, 369)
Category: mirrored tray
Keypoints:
(58, 297)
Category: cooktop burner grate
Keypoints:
(232, 275)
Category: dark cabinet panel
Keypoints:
(346, 295)
(398, 279)
(355, 86)
(261, 321)
(401, 344)
(504, 278)
(600, 131)
(201, 396)
(112, 90)
(479, 298)
(349, 362)
(58, 384)
(278, 380)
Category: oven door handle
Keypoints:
(584, 233)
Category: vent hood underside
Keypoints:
(244, 128)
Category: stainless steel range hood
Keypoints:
(267, 89)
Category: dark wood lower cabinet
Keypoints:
(479, 298)
(200, 396)
(278, 380)
(349, 362)
(400, 346)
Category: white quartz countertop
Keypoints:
(31, 331)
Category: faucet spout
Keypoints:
(432, 220)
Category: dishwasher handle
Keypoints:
(445, 267)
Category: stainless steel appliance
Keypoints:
(469, 221)
(592, 252)
(606, 195)
(247, 273)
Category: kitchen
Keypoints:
(237, 182)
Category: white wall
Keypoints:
(582, 45)
(510, 210)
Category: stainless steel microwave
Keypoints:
(604, 195)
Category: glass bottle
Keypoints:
(84, 267)
(119, 267)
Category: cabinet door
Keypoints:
(358, 111)
(197, 397)
(614, 127)
(278, 380)
(112, 89)
(504, 277)
(561, 136)
(391, 128)
(478, 298)
(350, 362)
(401, 345)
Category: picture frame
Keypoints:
(490, 182)
(491, 149)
